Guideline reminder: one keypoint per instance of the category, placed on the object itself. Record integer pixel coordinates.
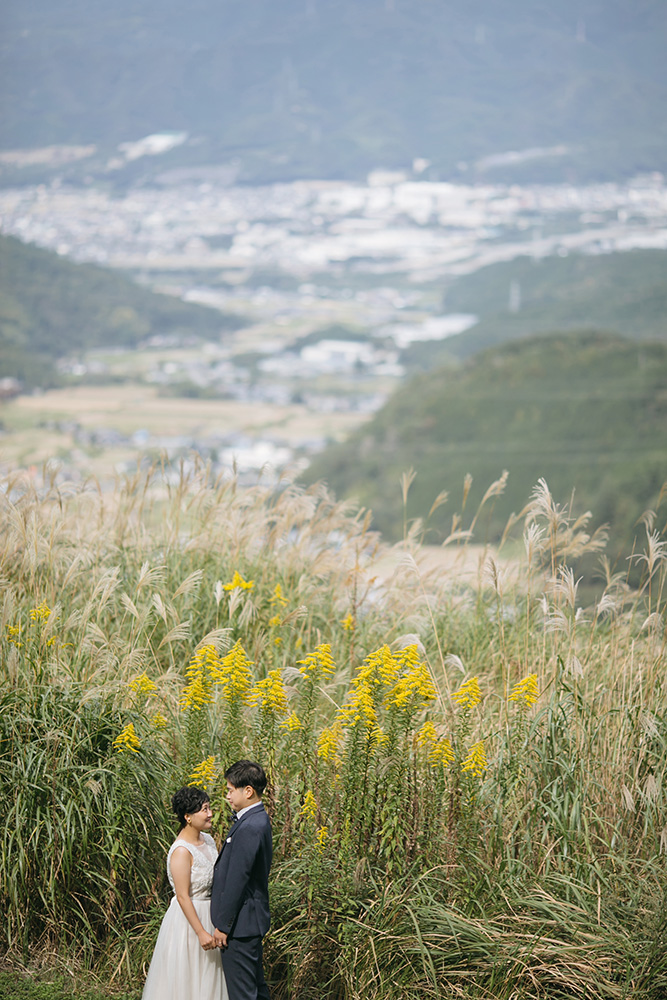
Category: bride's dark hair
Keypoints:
(188, 799)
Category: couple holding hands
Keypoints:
(220, 907)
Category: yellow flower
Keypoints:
(275, 621)
(196, 694)
(427, 735)
(475, 761)
(328, 743)
(309, 807)
(415, 687)
(205, 773)
(269, 694)
(469, 694)
(234, 674)
(127, 739)
(143, 684)
(159, 721)
(277, 597)
(442, 752)
(321, 840)
(526, 691)
(238, 581)
(358, 708)
(13, 635)
(318, 663)
(380, 668)
(203, 668)
(348, 622)
(40, 613)
(292, 723)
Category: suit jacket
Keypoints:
(240, 891)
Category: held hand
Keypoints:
(207, 941)
(219, 938)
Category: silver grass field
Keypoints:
(467, 762)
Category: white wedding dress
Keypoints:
(180, 968)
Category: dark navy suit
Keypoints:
(240, 902)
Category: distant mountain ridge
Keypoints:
(337, 87)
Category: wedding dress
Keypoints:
(180, 968)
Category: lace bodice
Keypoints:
(201, 873)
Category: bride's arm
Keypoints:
(180, 864)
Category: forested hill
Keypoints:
(335, 87)
(51, 308)
(622, 292)
(588, 412)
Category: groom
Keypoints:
(240, 892)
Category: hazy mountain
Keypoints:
(623, 292)
(588, 412)
(335, 87)
(51, 308)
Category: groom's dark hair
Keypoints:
(246, 772)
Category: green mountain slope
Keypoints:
(588, 412)
(621, 292)
(335, 87)
(51, 308)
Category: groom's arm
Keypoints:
(243, 851)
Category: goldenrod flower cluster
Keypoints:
(414, 687)
(40, 613)
(319, 663)
(379, 670)
(277, 597)
(309, 807)
(348, 622)
(13, 635)
(234, 674)
(439, 749)
(238, 581)
(469, 694)
(475, 760)
(292, 723)
(359, 707)
(321, 838)
(442, 753)
(526, 691)
(142, 684)
(202, 667)
(427, 735)
(158, 721)
(127, 739)
(328, 743)
(205, 774)
(269, 694)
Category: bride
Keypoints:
(186, 963)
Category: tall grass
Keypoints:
(467, 767)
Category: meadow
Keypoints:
(466, 770)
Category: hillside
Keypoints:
(622, 292)
(588, 412)
(313, 88)
(51, 308)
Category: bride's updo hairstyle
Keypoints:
(188, 800)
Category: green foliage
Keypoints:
(623, 293)
(466, 772)
(51, 308)
(584, 411)
(17, 985)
